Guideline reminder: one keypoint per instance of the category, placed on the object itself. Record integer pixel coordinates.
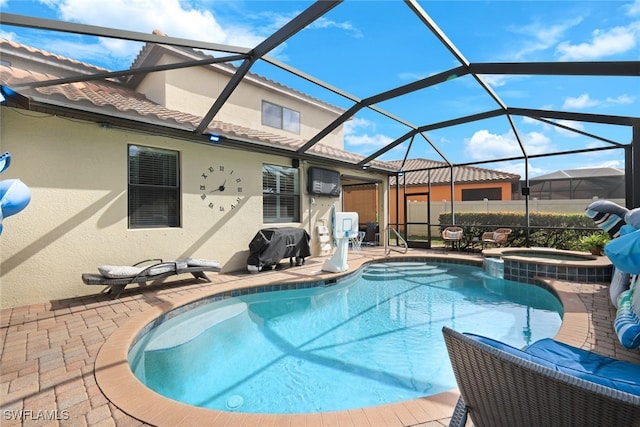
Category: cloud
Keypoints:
(570, 124)
(621, 99)
(169, 16)
(324, 23)
(542, 36)
(356, 135)
(602, 44)
(579, 102)
(173, 17)
(9, 35)
(484, 145)
(633, 9)
(497, 80)
(584, 101)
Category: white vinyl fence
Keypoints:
(417, 210)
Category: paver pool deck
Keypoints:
(60, 357)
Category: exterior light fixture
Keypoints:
(214, 138)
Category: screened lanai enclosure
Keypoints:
(451, 99)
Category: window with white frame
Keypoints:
(280, 117)
(280, 194)
(154, 187)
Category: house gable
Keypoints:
(195, 89)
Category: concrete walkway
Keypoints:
(49, 349)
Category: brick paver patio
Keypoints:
(49, 349)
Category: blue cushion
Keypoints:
(617, 374)
(603, 370)
(512, 350)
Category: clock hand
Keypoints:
(220, 188)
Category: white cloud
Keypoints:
(621, 99)
(543, 36)
(484, 145)
(584, 101)
(602, 44)
(9, 35)
(536, 143)
(518, 168)
(323, 23)
(497, 80)
(633, 9)
(172, 17)
(356, 135)
(169, 16)
(579, 102)
(570, 124)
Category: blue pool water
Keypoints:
(369, 340)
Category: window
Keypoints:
(280, 117)
(471, 194)
(154, 190)
(280, 194)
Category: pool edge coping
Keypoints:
(112, 369)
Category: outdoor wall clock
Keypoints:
(220, 188)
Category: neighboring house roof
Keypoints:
(579, 174)
(440, 173)
(111, 99)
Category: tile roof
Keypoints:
(151, 51)
(112, 99)
(442, 175)
(580, 173)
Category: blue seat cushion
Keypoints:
(583, 364)
(613, 373)
(512, 350)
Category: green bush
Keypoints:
(594, 243)
(550, 230)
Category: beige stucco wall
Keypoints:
(77, 218)
(194, 90)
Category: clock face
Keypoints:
(220, 188)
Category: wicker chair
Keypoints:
(452, 237)
(496, 238)
(501, 389)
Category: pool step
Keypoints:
(190, 328)
(391, 271)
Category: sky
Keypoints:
(364, 47)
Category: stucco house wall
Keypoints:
(193, 90)
(442, 192)
(77, 218)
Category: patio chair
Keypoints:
(116, 277)
(549, 384)
(452, 237)
(496, 238)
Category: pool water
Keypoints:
(370, 340)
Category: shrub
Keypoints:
(546, 229)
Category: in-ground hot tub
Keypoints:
(524, 264)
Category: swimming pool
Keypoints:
(371, 339)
